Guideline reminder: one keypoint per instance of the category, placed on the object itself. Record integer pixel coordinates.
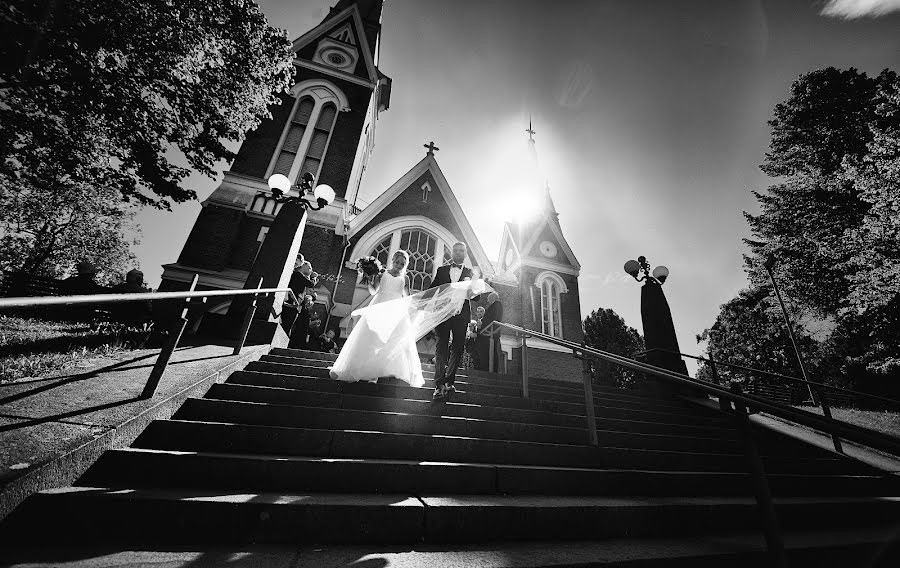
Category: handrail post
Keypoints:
(491, 351)
(248, 319)
(826, 411)
(761, 489)
(524, 367)
(589, 399)
(171, 343)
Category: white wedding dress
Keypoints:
(382, 343)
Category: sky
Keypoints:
(650, 119)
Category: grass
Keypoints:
(883, 421)
(33, 348)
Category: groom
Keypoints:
(444, 370)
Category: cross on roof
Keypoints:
(431, 148)
(530, 130)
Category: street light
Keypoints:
(274, 261)
(635, 267)
(656, 317)
(279, 185)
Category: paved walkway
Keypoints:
(52, 429)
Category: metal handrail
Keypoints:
(36, 301)
(849, 431)
(740, 411)
(165, 353)
(775, 375)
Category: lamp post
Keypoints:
(275, 261)
(656, 317)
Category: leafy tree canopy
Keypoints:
(604, 329)
(102, 90)
(832, 220)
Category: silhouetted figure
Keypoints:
(494, 312)
(133, 313)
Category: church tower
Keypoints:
(325, 126)
(537, 279)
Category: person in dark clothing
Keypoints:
(300, 329)
(302, 281)
(447, 356)
(132, 313)
(326, 342)
(494, 312)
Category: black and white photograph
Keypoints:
(449, 283)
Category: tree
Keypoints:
(137, 78)
(831, 219)
(48, 232)
(750, 331)
(605, 330)
(872, 304)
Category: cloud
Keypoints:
(851, 9)
(608, 279)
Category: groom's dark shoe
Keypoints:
(439, 394)
(449, 391)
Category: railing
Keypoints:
(174, 337)
(739, 406)
(817, 390)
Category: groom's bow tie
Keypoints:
(454, 265)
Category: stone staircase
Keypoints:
(279, 453)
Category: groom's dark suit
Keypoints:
(444, 370)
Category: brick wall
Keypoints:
(256, 152)
(212, 238)
(544, 364)
(247, 244)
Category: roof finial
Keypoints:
(431, 148)
(530, 130)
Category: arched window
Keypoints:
(294, 136)
(304, 141)
(551, 286)
(422, 248)
(383, 250)
(427, 252)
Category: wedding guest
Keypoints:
(494, 312)
(304, 278)
(300, 328)
(133, 313)
(326, 342)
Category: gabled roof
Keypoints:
(352, 14)
(550, 221)
(427, 164)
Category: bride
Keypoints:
(382, 343)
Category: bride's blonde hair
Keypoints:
(405, 256)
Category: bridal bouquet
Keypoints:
(369, 266)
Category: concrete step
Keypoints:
(773, 443)
(476, 387)
(209, 410)
(276, 395)
(258, 439)
(238, 412)
(824, 547)
(195, 515)
(491, 379)
(143, 468)
(687, 416)
(844, 547)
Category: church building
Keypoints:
(326, 126)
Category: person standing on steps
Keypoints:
(447, 354)
(383, 343)
(494, 312)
